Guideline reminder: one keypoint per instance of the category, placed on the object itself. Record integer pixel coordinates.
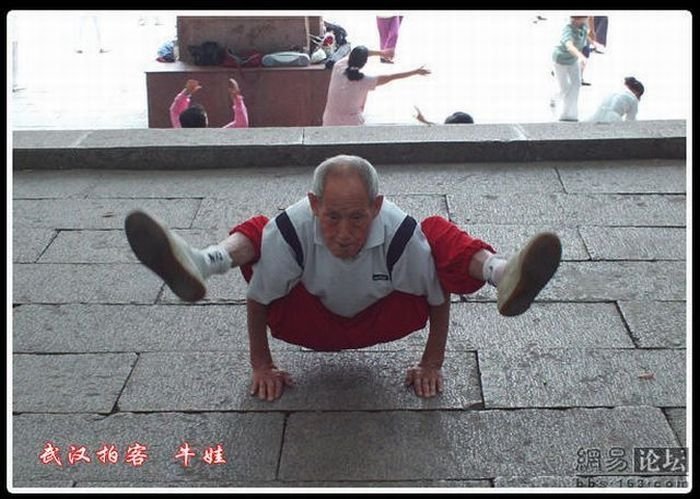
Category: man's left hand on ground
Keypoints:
(426, 381)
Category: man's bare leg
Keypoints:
(519, 279)
(183, 268)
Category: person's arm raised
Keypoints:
(381, 80)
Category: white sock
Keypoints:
(493, 269)
(215, 260)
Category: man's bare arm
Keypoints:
(268, 381)
(426, 377)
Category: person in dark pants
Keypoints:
(600, 34)
(597, 36)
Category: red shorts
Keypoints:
(300, 317)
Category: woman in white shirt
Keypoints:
(621, 105)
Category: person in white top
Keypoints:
(348, 87)
(620, 105)
(345, 268)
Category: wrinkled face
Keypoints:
(345, 214)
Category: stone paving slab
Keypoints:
(75, 328)
(635, 243)
(229, 288)
(189, 327)
(68, 383)
(677, 419)
(54, 184)
(582, 378)
(569, 209)
(99, 213)
(421, 206)
(89, 246)
(29, 244)
(251, 445)
(609, 281)
(631, 177)
(219, 381)
(224, 214)
(202, 183)
(68, 283)
(109, 246)
(473, 177)
(459, 445)
(657, 324)
(509, 239)
(476, 326)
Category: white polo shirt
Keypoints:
(345, 287)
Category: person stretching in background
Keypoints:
(348, 88)
(620, 105)
(184, 115)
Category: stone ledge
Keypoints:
(144, 149)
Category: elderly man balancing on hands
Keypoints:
(345, 268)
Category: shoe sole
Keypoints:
(539, 261)
(152, 246)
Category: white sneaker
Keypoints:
(166, 254)
(527, 272)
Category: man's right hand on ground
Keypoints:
(269, 382)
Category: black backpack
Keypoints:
(341, 36)
(207, 54)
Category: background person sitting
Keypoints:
(621, 105)
(349, 86)
(458, 117)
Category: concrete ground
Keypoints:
(104, 354)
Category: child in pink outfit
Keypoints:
(184, 116)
